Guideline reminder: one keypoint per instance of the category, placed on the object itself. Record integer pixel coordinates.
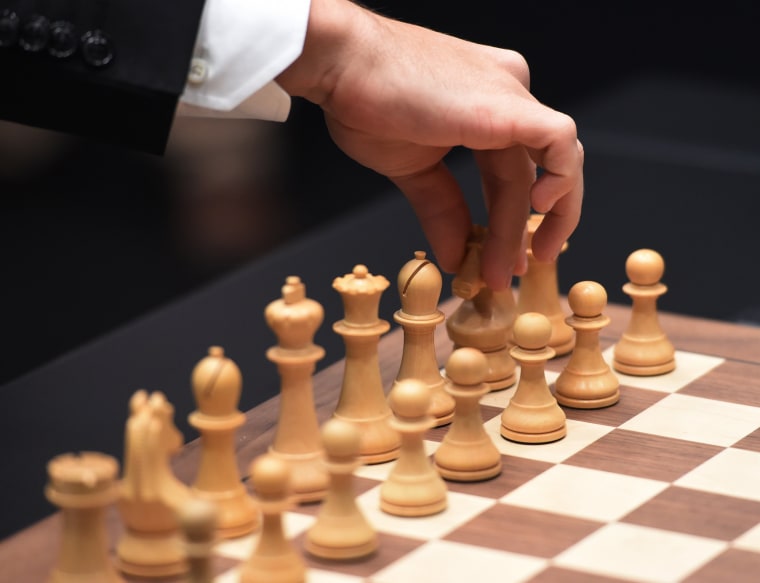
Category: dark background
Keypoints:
(93, 235)
(97, 242)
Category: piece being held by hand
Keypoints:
(484, 318)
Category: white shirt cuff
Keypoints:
(242, 46)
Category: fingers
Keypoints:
(507, 176)
(442, 211)
(562, 212)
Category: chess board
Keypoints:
(662, 486)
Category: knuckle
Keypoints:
(517, 65)
(565, 128)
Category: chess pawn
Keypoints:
(341, 531)
(587, 382)
(484, 318)
(419, 286)
(539, 292)
(413, 487)
(294, 318)
(198, 521)
(467, 453)
(644, 349)
(83, 486)
(273, 559)
(532, 415)
(150, 496)
(362, 398)
(217, 384)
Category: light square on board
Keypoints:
(689, 367)
(579, 435)
(460, 509)
(733, 472)
(640, 553)
(584, 493)
(451, 562)
(697, 419)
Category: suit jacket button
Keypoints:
(97, 50)
(35, 34)
(9, 26)
(63, 40)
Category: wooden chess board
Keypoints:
(663, 486)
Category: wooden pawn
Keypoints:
(341, 531)
(413, 487)
(467, 453)
(198, 522)
(587, 382)
(273, 558)
(532, 415)
(644, 349)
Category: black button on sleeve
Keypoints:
(63, 39)
(9, 28)
(35, 34)
(97, 49)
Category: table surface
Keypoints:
(29, 554)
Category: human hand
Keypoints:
(398, 97)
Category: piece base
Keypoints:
(341, 553)
(644, 371)
(444, 419)
(57, 576)
(308, 497)
(469, 475)
(588, 403)
(564, 348)
(238, 513)
(273, 569)
(422, 510)
(520, 437)
(380, 457)
(152, 571)
(501, 384)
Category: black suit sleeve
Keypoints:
(120, 81)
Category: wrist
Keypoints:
(335, 29)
